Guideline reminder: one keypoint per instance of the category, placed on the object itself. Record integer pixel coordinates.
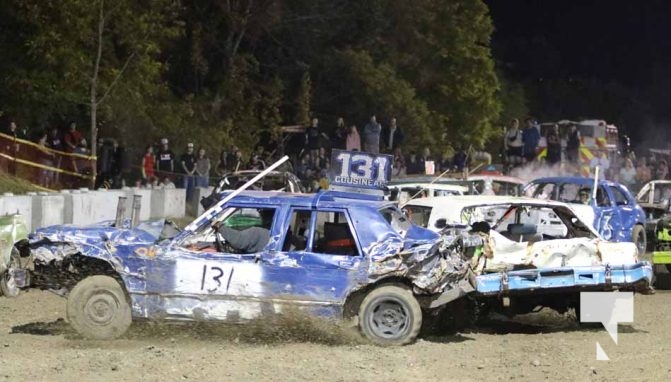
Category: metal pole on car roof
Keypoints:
(135, 212)
(218, 206)
(596, 182)
(120, 212)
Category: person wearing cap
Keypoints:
(188, 167)
(165, 160)
(583, 195)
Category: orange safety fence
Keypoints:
(43, 166)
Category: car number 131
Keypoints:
(361, 168)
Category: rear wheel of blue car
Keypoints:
(98, 308)
(390, 315)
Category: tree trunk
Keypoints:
(94, 96)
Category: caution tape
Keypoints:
(43, 148)
(45, 167)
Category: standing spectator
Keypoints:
(121, 165)
(353, 141)
(573, 144)
(148, 163)
(46, 158)
(554, 146)
(661, 170)
(459, 160)
(237, 162)
(531, 136)
(188, 162)
(203, 166)
(513, 143)
(72, 138)
(399, 163)
(643, 173)
(393, 136)
(312, 136)
(14, 132)
(426, 157)
(54, 141)
(255, 163)
(628, 174)
(322, 161)
(105, 163)
(371, 136)
(81, 165)
(414, 166)
(165, 160)
(340, 135)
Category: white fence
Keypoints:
(81, 207)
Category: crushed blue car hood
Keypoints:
(148, 232)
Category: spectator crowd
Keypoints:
(310, 151)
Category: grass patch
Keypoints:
(15, 185)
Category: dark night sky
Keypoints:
(625, 41)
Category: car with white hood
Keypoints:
(523, 262)
(523, 231)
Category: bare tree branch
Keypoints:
(116, 79)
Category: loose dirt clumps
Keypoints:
(37, 344)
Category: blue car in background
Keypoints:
(614, 211)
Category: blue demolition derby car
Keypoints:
(257, 254)
(611, 208)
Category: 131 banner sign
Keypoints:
(360, 169)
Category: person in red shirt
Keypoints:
(72, 138)
(148, 163)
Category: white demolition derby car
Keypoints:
(521, 232)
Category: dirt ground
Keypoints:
(37, 344)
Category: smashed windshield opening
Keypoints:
(419, 215)
(396, 219)
(489, 214)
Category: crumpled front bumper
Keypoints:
(635, 277)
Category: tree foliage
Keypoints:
(233, 71)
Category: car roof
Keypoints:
(572, 179)
(659, 181)
(254, 172)
(444, 186)
(461, 201)
(322, 199)
(499, 178)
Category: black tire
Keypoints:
(98, 308)
(639, 238)
(390, 316)
(8, 287)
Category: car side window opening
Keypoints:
(662, 194)
(531, 224)
(248, 221)
(619, 196)
(570, 192)
(419, 215)
(544, 191)
(295, 238)
(602, 199)
(645, 196)
(332, 235)
(398, 221)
